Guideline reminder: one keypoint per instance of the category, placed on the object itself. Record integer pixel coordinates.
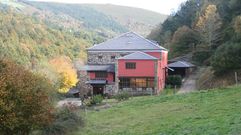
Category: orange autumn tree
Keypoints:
(25, 103)
(68, 74)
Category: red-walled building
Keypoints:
(129, 63)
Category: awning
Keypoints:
(170, 69)
(107, 68)
(181, 64)
(73, 91)
(96, 82)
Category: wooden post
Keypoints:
(175, 89)
(236, 78)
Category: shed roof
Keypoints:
(181, 64)
(127, 41)
(138, 56)
(107, 68)
(96, 82)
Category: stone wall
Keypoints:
(110, 89)
(85, 89)
(139, 91)
(104, 57)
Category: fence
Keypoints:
(139, 91)
(227, 79)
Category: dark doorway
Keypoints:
(98, 90)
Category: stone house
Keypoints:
(128, 62)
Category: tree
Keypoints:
(24, 102)
(237, 25)
(227, 57)
(68, 74)
(209, 25)
(184, 41)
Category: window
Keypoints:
(136, 83)
(150, 82)
(124, 83)
(130, 65)
(141, 83)
(112, 58)
(99, 57)
(100, 75)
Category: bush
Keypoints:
(201, 57)
(25, 103)
(122, 96)
(174, 80)
(227, 58)
(97, 99)
(66, 120)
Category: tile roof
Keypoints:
(127, 41)
(107, 68)
(138, 56)
(181, 64)
(96, 82)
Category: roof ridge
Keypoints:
(124, 40)
(110, 39)
(184, 63)
(138, 52)
(148, 41)
(146, 54)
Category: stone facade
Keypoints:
(84, 88)
(103, 58)
(110, 89)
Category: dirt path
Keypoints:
(189, 84)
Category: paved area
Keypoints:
(70, 101)
(190, 83)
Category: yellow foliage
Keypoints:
(237, 24)
(68, 74)
(210, 13)
(208, 26)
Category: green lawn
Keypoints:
(216, 112)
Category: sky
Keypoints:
(160, 6)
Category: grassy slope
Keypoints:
(206, 112)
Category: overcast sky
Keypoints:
(161, 6)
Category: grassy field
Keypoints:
(216, 112)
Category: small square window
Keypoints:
(101, 75)
(100, 57)
(112, 57)
(130, 65)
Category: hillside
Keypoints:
(205, 112)
(134, 19)
(105, 20)
(32, 43)
(208, 30)
(86, 17)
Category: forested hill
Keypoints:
(210, 30)
(105, 20)
(134, 19)
(33, 44)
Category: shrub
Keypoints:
(226, 58)
(122, 96)
(25, 103)
(201, 57)
(66, 120)
(174, 80)
(97, 99)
